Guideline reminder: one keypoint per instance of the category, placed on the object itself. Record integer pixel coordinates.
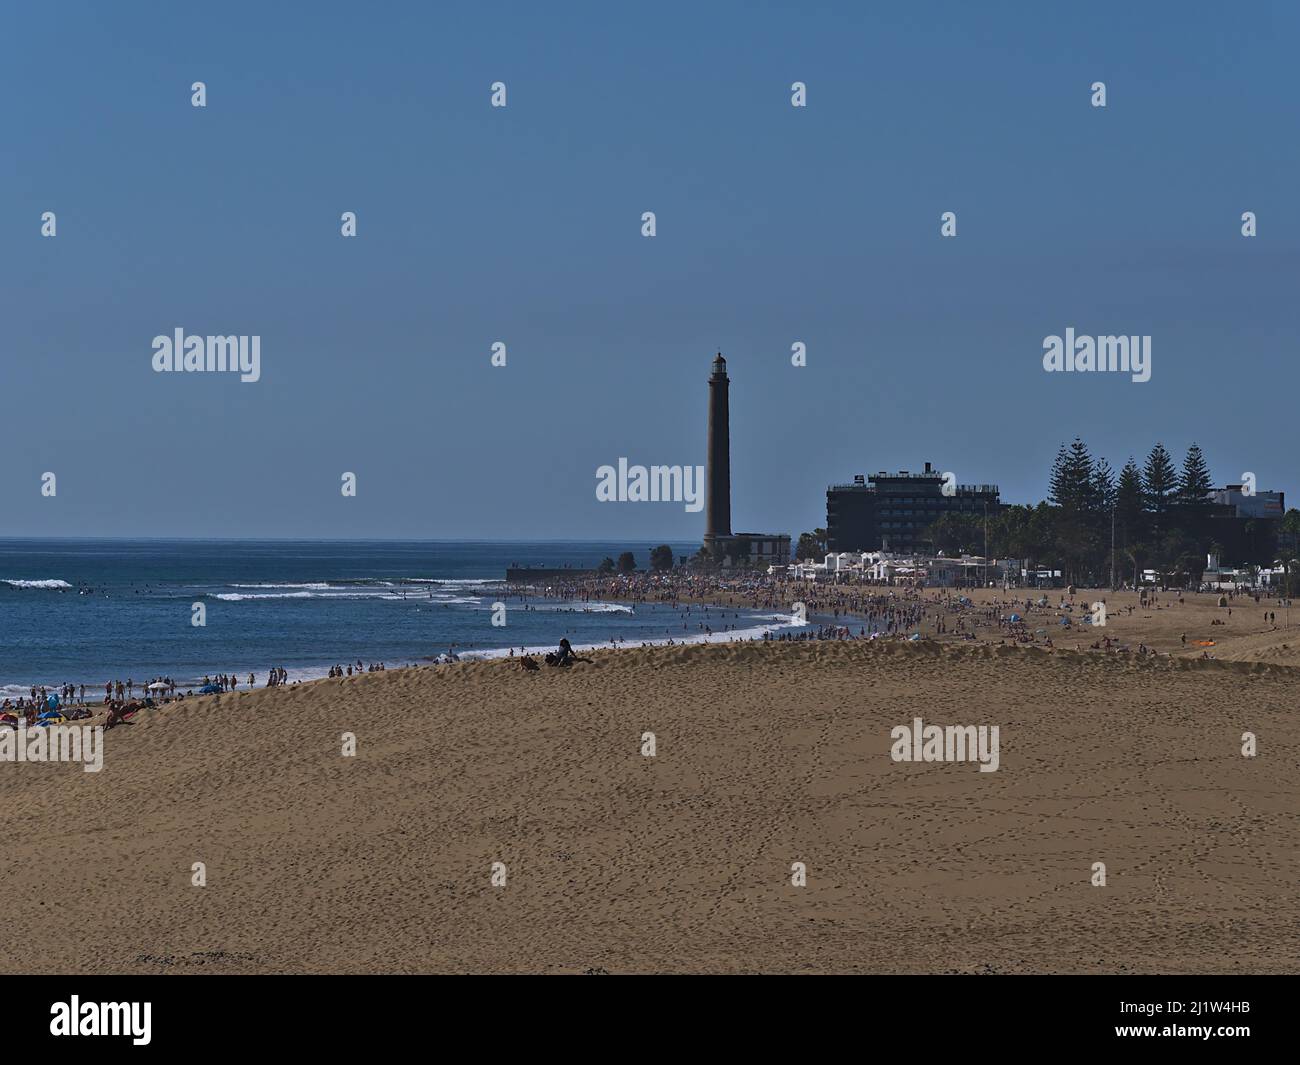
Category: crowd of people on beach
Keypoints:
(709, 605)
(68, 699)
(871, 611)
(349, 670)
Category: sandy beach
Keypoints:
(766, 755)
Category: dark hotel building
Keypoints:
(893, 512)
(719, 541)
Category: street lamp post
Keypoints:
(1112, 547)
(986, 545)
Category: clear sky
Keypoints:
(522, 224)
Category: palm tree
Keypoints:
(1288, 559)
(1132, 553)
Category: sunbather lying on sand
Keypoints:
(119, 714)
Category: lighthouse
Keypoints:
(717, 475)
(726, 547)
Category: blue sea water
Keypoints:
(87, 611)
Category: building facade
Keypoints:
(1255, 505)
(894, 511)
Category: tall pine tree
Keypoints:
(1159, 482)
(1194, 484)
(1103, 487)
(1074, 492)
(1072, 482)
(1129, 504)
(1056, 480)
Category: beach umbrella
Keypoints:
(158, 686)
(1015, 618)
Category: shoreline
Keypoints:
(849, 604)
(306, 674)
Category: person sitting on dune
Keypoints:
(529, 663)
(565, 656)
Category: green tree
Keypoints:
(956, 533)
(1290, 569)
(1070, 483)
(626, 562)
(812, 545)
(606, 565)
(1105, 520)
(1009, 532)
(1159, 482)
(1042, 536)
(661, 558)
(1104, 487)
(1129, 505)
(1075, 490)
(1183, 561)
(1194, 483)
(1136, 552)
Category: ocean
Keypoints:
(87, 611)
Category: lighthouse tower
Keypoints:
(717, 478)
(726, 547)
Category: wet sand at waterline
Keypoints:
(615, 862)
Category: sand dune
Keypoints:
(616, 862)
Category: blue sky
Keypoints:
(522, 225)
